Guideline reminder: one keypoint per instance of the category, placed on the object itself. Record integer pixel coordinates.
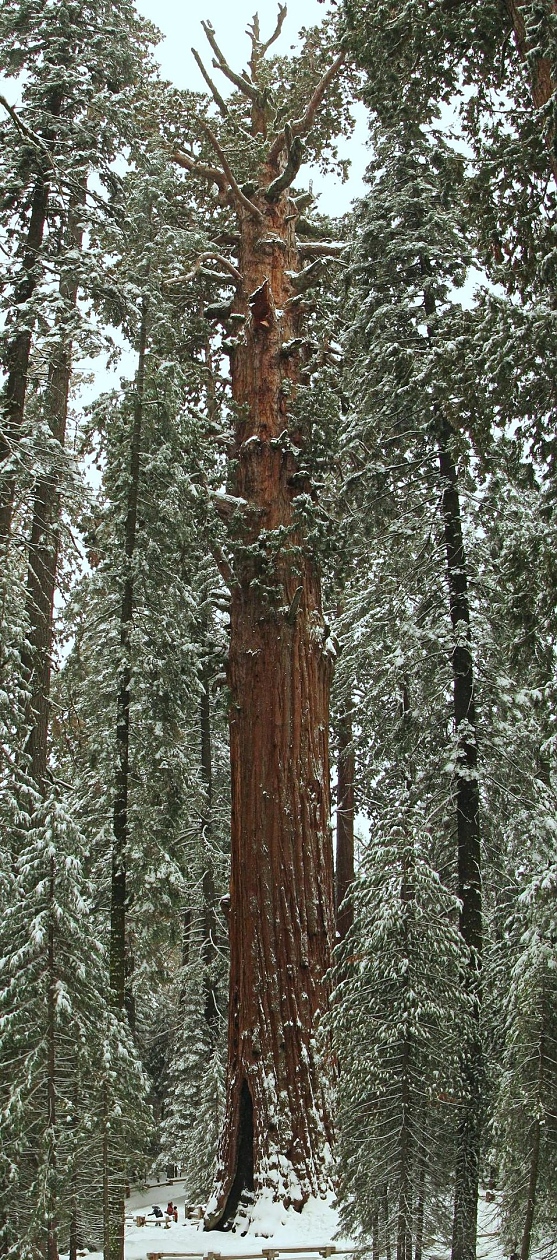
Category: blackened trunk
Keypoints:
(120, 813)
(344, 874)
(469, 858)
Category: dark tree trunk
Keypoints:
(386, 1217)
(469, 856)
(404, 1222)
(118, 901)
(121, 960)
(420, 1206)
(344, 874)
(52, 994)
(375, 1236)
(532, 1189)
(18, 348)
(45, 537)
(209, 894)
(277, 1125)
(535, 1141)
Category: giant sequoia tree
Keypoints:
(277, 1124)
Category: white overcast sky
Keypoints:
(180, 23)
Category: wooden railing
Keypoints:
(267, 1253)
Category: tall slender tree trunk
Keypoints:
(386, 1217)
(45, 532)
(375, 1253)
(114, 1231)
(344, 873)
(404, 1221)
(420, 1207)
(106, 1167)
(18, 349)
(535, 1142)
(120, 814)
(51, 1251)
(209, 895)
(277, 1124)
(469, 856)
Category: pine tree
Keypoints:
(398, 1019)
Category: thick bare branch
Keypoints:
(32, 136)
(223, 566)
(222, 261)
(295, 152)
(235, 189)
(212, 86)
(321, 249)
(220, 63)
(210, 173)
(301, 126)
(278, 28)
(301, 281)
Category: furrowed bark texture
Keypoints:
(469, 857)
(277, 1125)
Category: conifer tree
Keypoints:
(398, 1017)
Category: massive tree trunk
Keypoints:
(469, 856)
(277, 1126)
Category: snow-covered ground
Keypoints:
(317, 1225)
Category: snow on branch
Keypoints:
(220, 63)
(302, 125)
(295, 152)
(222, 261)
(210, 173)
(235, 189)
(219, 100)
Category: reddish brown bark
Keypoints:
(541, 77)
(277, 1124)
(44, 540)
